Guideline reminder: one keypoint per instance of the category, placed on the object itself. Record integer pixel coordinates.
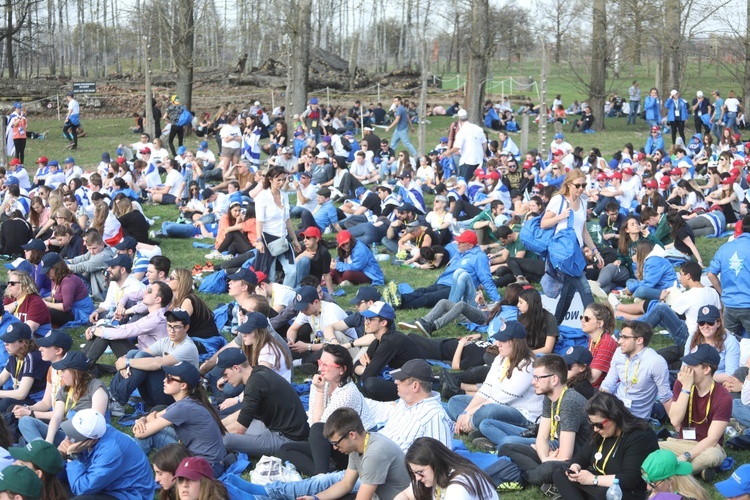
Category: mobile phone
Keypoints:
(570, 471)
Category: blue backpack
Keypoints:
(215, 283)
(185, 117)
(536, 239)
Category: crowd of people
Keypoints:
(621, 230)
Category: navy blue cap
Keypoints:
(15, 332)
(48, 261)
(706, 313)
(366, 293)
(127, 243)
(186, 372)
(230, 357)
(306, 295)
(76, 360)
(407, 207)
(510, 330)
(244, 274)
(381, 310)
(254, 321)
(306, 174)
(56, 338)
(20, 265)
(578, 354)
(34, 244)
(121, 260)
(178, 314)
(106, 157)
(704, 353)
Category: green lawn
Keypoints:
(105, 134)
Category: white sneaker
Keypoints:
(614, 300)
(597, 291)
(214, 255)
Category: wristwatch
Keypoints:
(687, 456)
(596, 481)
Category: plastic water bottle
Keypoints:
(614, 492)
(374, 248)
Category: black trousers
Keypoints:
(71, 132)
(178, 131)
(315, 455)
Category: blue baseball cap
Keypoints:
(306, 295)
(704, 353)
(230, 357)
(244, 274)
(106, 157)
(510, 330)
(178, 314)
(69, 159)
(738, 483)
(20, 265)
(76, 360)
(381, 310)
(127, 243)
(187, 372)
(577, 354)
(314, 100)
(121, 260)
(366, 293)
(53, 163)
(56, 338)
(253, 321)
(181, 150)
(12, 181)
(15, 332)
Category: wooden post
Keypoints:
(3, 152)
(524, 132)
(148, 121)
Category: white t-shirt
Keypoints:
(732, 104)
(330, 313)
(174, 180)
(268, 212)
(435, 221)
(470, 141)
(269, 355)
(690, 302)
(228, 131)
(158, 155)
(458, 492)
(74, 107)
(311, 193)
(137, 147)
(579, 217)
(207, 156)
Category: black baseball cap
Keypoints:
(366, 293)
(76, 360)
(414, 368)
(56, 338)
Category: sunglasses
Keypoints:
(172, 378)
(13, 283)
(587, 318)
(700, 323)
(579, 186)
(600, 425)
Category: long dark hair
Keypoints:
(62, 271)
(533, 319)
(198, 394)
(272, 174)
(168, 459)
(510, 298)
(343, 254)
(675, 221)
(608, 406)
(448, 468)
(343, 359)
(521, 356)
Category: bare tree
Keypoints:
(597, 85)
(480, 49)
(558, 18)
(299, 36)
(22, 9)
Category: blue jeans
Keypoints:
(662, 314)
(502, 433)
(634, 105)
(643, 292)
(736, 320)
(303, 269)
(307, 487)
(740, 412)
(402, 136)
(150, 384)
(289, 270)
(388, 170)
(504, 413)
(571, 285)
(157, 441)
(731, 121)
(716, 129)
(390, 245)
(462, 288)
(32, 428)
(175, 230)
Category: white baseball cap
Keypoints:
(85, 424)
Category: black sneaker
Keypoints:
(708, 475)
(484, 445)
(425, 327)
(451, 387)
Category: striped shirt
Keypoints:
(602, 354)
(427, 418)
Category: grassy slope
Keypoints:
(105, 134)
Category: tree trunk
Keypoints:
(672, 62)
(184, 37)
(746, 79)
(81, 39)
(300, 58)
(597, 85)
(637, 37)
(479, 53)
(9, 41)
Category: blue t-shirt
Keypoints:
(404, 120)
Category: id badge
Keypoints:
(314, 123)
(688, 433)
(627, 402)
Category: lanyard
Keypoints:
(708, 406)
(18, 305)
(634, 379)
(504, 373)
(438, 493)
(67, 399)
(594, 345)
(367, 440)
(19, 366)
(556, 415)
(606, 460)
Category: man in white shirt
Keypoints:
(72, 171)
(169, 193)
(306, 195)
(470, 143)
(144, 142)
(206, 155)
(231, 143)
(120, 283)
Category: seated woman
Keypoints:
(432, 257)
(654, 273)
(665, 475)
(578, 359)
(69, 301)
(133, 221)
(683, 238)
(14, 232)
(437, 472)
(33, 251)
(620, 444)
(237, 229)
(165, 463)
(24, 302)
(355, 263)
(598, 322)
(332, 388)
(68, 241)
(54, 202)
(687, 198)
(107, 224)
(507, 395)
(202, 324)
(540, 324)
(191, 419)
(79, 391)
(39, 214)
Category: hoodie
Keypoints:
(658, 273)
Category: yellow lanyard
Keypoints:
(314, 327)
(18, 305)
(504, 369)
(708, 406)
(367, 440)
(273, 292)
(438, 493)
(606, 460)
(594, 345)
(67, 400)
(556, 415)
(19, 366)
(634, 379)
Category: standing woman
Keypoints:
(69, 300)
(273, 223)
(652, 108)
(174, 110)
(17, 128)
(438, 473)
(558, 209)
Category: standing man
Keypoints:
(677, 113)
(716, 124)
(729, 273)
(311, 120)
(470, 142)
(634, 94)
(401, 122)
(72, 122)
(701, 107)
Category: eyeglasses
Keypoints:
(628, 336)
(418, 473)
(171, 378)
(700, 323)
(540, 377)
(338, 441)
(600, 425)
(327, 365)
(13, 283)
(175, 328)
(579, 186)
(651, 484)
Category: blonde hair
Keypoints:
(688, 487)
(101, 211)
(122, 206)
(26, 284)
(570, 177)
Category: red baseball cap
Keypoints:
(601, 176)
(665, 181)
(652, 184)
(558, 152)
(194, 468)
(466, 237)
(675, 171)
(15, 161)
(311, 232)
(654, 129)
(145, 151)
(728, 181)
(527, 165)
(627, 171)
(493, 175)
(479, 173)
(640, 156)
(43, 159)
(343, 237)
(120, 160)
(261, 276)
(616, 175)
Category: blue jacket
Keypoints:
(490, 116)
(658, 273)
(474, 262)
(115, 466)
(652, 108)
(695, 145)
(731, 263)
(670, 105)
(363, 260)
(653, 145)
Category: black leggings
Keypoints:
(313, 456)
(73, 135)
(678, 126)
(235, 242)
(470, 211)
(175, 130)
(20, 145)
(59, 318)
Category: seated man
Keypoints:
(120, 283)
(585, 123)
(130, 306)
(700, 412)
(147, 330)
(142, 370)
(102, 461)
(324, 215)
(129, 246)
(272, 413)
(92, 265)
(390, 349)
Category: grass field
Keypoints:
(106, 134)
